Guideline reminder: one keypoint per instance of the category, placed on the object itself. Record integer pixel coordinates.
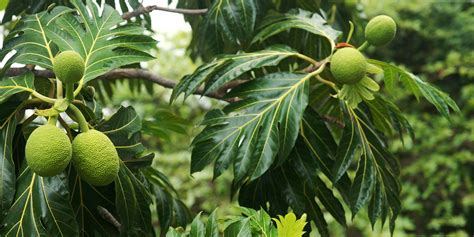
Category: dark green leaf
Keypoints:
(439, 99)
(133, 204)
(347, 149)
(239, 228)
(102, 43)
(29, 40)
(255, 130)
(230, 67)
(12, 85)
(123, 128)
(7, 167)
(276, 23)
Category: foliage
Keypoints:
(436, 165)
(294, 138)
(250, 223)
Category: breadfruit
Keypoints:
(94, 157)
(380, 30)
(68, 66)
(348, 66)
(48, 150)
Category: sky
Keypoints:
(166, 22)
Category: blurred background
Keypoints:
(435, 40)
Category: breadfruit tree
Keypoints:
(304, 127)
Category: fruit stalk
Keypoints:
(70, 92)
(80, 118)
(363, 46)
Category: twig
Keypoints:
(333, 120)
(147, 9)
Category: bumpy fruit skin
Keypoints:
(94, 157)
(380, 30)
(68, 66)
(348, 66)
(48, 150)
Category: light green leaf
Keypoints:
(289, 226)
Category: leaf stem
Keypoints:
(351, 31)
(363, 46)
(41, 97)
(52, 120)
(83, 125)
(79, 87)
(329, 83)
(308, 59)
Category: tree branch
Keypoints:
(127, 73)
(147, 9)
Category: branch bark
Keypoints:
(147, 9)
(126, 73)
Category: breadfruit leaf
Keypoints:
(295, 184)
(275, 23)
(7, 166)
(376, 179)
(12, 85)
(230, 67)
(225, 23)
(29, 41)
(41, 207)
(123, 128)
(290, 226)
(132, 200)
(98, 35)
(443, 103)
(253, 133)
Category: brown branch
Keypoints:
(333, 120)
(131, 73)
(147, 9)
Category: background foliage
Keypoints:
(437, 185)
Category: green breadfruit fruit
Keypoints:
(348, 66)
(94, 157)
(380, 30)
(68, 67)
(48, 150)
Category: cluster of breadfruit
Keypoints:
(49, 150)
(348, 65)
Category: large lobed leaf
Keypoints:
(230, 67)
(311, 22)
(297, 183)
(417, 86)
(97, 35)
(7, 167)
(12, 85)
(251, 133)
